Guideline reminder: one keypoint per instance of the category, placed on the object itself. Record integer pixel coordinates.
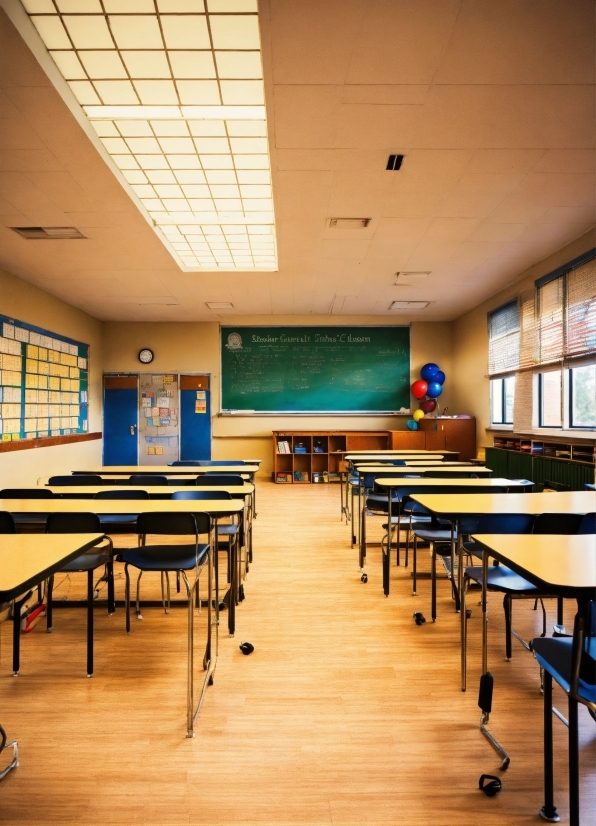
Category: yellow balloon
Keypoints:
(417, 415)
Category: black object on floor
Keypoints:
(489, 784)
(419, 618)
(246, 648)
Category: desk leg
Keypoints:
(573, 764)
(387, 556)
(233, 592)
(353, 529)
(463, 629)
(254, 500)
(16, 633)
(454, 588)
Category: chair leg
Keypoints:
(549, 810)
(177, 582)
(139, 615)
(560, 604)
(110, 578)
(414, 565)
(49, 593)
(397, 548)
(573, 764)
(167, 592)
(507, 609)
(90, 593)
(433, 582)
(127, 597)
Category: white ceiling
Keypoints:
(492, 104)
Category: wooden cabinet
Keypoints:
(305, 456)
(407, 440)
(450, 434)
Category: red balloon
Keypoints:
(419, 389)
(428, 405)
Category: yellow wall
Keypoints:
(25, 302)
(470, 385)
(195, 347)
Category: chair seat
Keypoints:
(118, 519)
(434, 535)
(471, 548)
(164, 557)
(501, 578)
(554, 655)
(410, 522)
(86, 562)
(227, 530)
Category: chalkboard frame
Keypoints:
(403, 409)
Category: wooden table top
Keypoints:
(354, 454)
(214, 507)
(413, 463)
(26, 559)
(468, 483)
(453, 504)
(244, 489)
(551, 563)
(166, 470)
(374, 469)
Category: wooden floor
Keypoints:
(346, 713)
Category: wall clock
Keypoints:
(146, 356)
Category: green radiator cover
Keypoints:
(539, 469)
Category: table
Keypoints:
(214, 507)
(25, 561)
(420, 484)
(566, 568)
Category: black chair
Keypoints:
(119, 522)
(64, 522)
(218, 479)
(588, 524)
(231, 531)
(451, 474)
(4, 744)
(148, 480)
(77, 480)
(7, 523)
(163, 558)
(220, 462)
(571, 662)
(185, 463)
(26, 493)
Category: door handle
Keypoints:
(132, 429)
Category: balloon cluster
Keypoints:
(426, 389)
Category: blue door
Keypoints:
(195, 418)
(120, 420)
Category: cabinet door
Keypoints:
(435, 434)
(460, 435)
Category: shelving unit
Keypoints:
(563, 461)
(325, 452)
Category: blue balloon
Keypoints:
(440, 377)
(429, 371)
(434, 390)
(411, 424)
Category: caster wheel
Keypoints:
(364, 578)
(468, 613)
(419, 618)
(210, 680)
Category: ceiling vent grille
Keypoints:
(219, 305)
(49, 233)
(409, 305)
(394, 163)
(409, 279)
(349, 223)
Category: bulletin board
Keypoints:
(44, 383)
(158, 420)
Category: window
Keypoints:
(550, 394)
(582, 396)
(501, 400)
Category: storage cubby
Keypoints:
(325, 450)
(543, 460)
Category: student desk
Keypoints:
(380, 471)
(565, 568)
(397, 453)
(417, 486)
(25, 561)
(452, 507)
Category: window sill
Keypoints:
(499, 428)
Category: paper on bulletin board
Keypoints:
(201, 401)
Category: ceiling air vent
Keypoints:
(219, 305)
(349, 223)
(409, 305)
(49, 233)
(394, 163)
(409, 279)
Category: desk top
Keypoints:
(565, 563)
(26, 559)
(454, 483)
(166, 470)
(375, 469)
(91, 490)
(413, 463)
(396, 454)
(215, 507)
(453, 504)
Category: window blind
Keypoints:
(551, 328)
(581, 310)
(503, 339)
(528, 346)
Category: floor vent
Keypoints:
(49, 233)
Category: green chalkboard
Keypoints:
(315, 369)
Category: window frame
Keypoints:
(540, 397)
(568, 398)
(501, 380)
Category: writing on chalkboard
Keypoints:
(315, 369)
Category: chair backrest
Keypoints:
(76, 479)
(397, 462)
(558, 487)
(173, 524)
(557, 523)
(7, 523)
(213, 480)
(26, 493)
(122, 493)
(588, 523)
(185, 463)
(201, 494)
(220, 462)
(143, 480)
(450, 474)
(505, 523)
(71, 522)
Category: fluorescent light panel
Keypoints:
(174, 90)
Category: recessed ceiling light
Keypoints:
(220, 305)
(408, 305)
(349, 223)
